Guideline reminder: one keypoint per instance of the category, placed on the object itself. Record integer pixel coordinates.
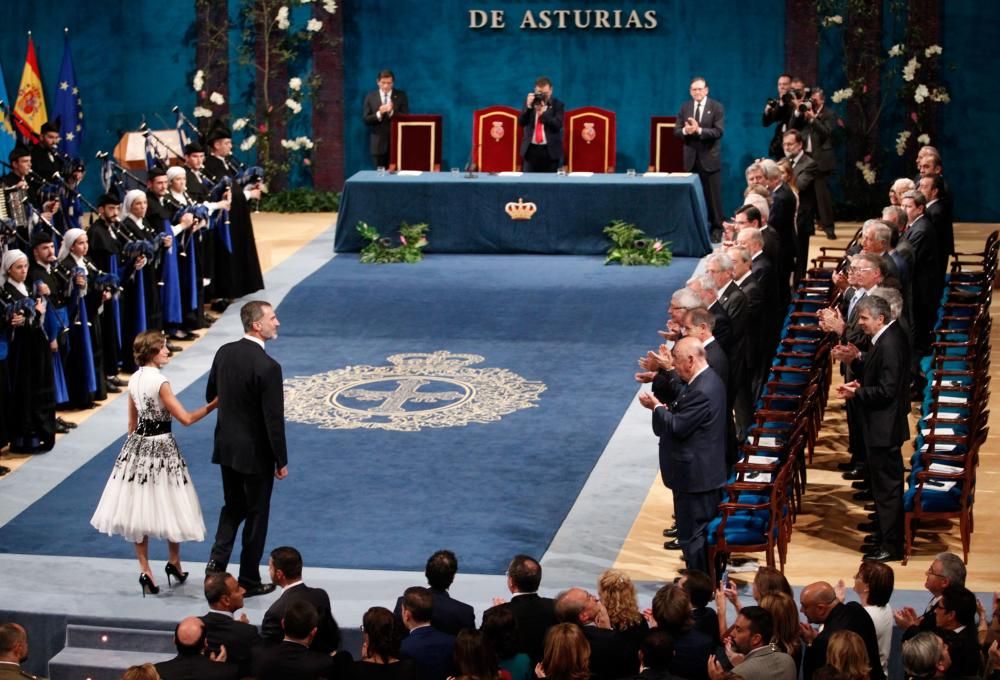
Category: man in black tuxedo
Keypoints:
(249, 441)
(719, 266)
(778, 112)
(534, 614)
(925, 281)
(818, 124)
(701, 131)
(542, 120)
(762, 307)
(932, 187)
(820, 605)
(882, 391)
(929, 163)
(294, 658)
(692, 432)
(191, 660)
(782, 219)
(805, 169)
(955, 622)
(448, 614)
(611, 655)
(222, 628)
(379, 108)
(45, 159)
(285, 566)
(430, 649)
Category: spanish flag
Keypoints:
(29, 111)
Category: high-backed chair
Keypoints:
(589, 140)
(666, 152)
(415, 142)
(496, 136)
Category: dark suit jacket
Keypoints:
(238, 637)
(851, 616)
(782, 220)
(704, 146)
(965, 652)
(44, 162)
(292, 661)
(448, 615)
(805, 171)
(937, 213)
(611, 655)
(379, 138)
(534, 615)
(723, 330)
(820, 133)
(327, 637)
(884, 373)
(196, 667)
(552, 122)
(738, 308)
(431, 650)
(667, 385)
(925, 281)
(692, 432)
(691, 651)
(250, 428)
(781, 115)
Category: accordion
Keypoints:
(13, 207)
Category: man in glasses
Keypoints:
(947, 569)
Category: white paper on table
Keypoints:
(510, 173)
(581, 174)
(410, 173)
(656, 174)
(680, 174)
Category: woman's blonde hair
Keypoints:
(847, 653)
(617, 592)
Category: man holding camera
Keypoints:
(703, 125)
(778, 112)
(816, 123)
(542, 120)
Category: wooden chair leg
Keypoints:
(908, 533)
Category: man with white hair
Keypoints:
(706, 290)
(719, 267)
(898, 188)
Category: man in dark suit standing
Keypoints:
(534, 614)
(782, 220)
(692, 432)
(222, 628)
(819, 124)
(249, 441)
(191, 661)
(448, 614)
(294, 657)
(430, 649)
(379, 108)
(925, 282)
(882, 390)
(285, 566)
(542, 120)
(719, 266)
(702, 129)
(805, 170)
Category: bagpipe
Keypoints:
(24, 306)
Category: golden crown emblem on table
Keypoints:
(520, 210)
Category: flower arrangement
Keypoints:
(633, 247)
(380, 249)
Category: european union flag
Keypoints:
(7, 137)
(69, 106)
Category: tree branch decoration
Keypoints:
(380, 249)
(633, 247)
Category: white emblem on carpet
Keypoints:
(415, 391)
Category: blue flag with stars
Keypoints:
(7, 137)
(69, 107)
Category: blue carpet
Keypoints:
(371, 498)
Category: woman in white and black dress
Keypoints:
(150, 492)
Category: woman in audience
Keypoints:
(150, 492)
(380, 649)
(474, 657)
(788, 176)
(567, 654)
(500, 629)
(146, 671)
(785, 615)
(874, 584)
(846, 652)
(617, 593)
(766, 580)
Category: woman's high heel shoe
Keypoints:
(146, 583)
(173, 571)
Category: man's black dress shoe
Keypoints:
(259, 589)
(863, 496)
(883, 555)
(60, 429)
(868, 526)
(116, 381)
(174, 349)
(670, 533)
(672, 545)
(213, 568)
(844, 467)
(111, 388)
(831, 233)
(860, 485)
(854, 474)
(65, 423)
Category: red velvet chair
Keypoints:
(496, 137)
(589, 140)
(415, 142)
(666, 152)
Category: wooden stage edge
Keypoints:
(825, 541)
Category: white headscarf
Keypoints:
(69, 238)
(129, 200)
(175, 171)
(11, 257)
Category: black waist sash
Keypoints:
(151, 428)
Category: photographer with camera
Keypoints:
(542, 120)
(816, 124)
(778, 112)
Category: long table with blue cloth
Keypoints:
(469, 214)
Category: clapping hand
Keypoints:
(906, 617)
(847, 390)
(648, 400)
